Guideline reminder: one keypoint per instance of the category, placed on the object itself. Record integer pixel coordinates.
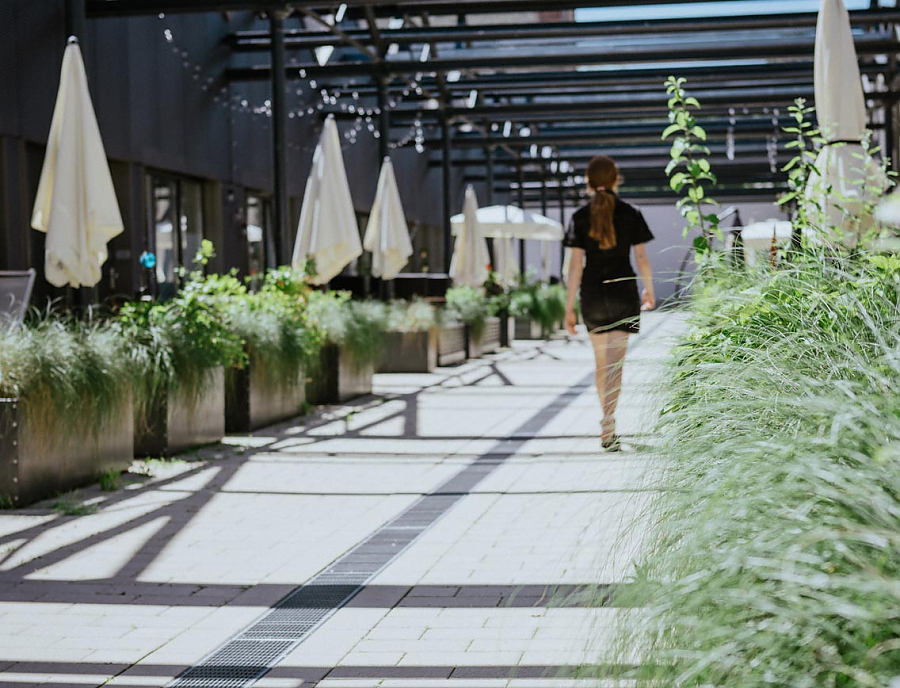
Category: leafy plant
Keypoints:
(411, 316)
(806, 143)
(774, 550)
(177, 344)
(545, 304)
(359, 327)
(70, 373)
(468, 305)
(689, 171)
(110, 481)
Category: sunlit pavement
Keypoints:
(463, 529)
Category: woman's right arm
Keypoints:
(576, 267)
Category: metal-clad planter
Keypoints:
(507, 330)
(184, 421)
(37, 462)
(489, 341)
(452, 344)
(410, 352)
(338, 378)
(526, 328)
(254, 400)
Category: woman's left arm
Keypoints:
(648, 297)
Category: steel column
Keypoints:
(75, 19)
(447, 171)
(279, 136)
(522, 206)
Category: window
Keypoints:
(176, 207)
(260, 244)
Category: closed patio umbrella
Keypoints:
(469, 265)
(387, 234)
(327, 232)
(845, 176)
(76, 204)
(505, 261)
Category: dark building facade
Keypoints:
(191, 155)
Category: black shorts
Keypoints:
(612, 305)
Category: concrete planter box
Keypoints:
(184, 421)
(452, 344)
(410, 352)
(338, 378)
(489, 342)
(36, 463)
(526, 328)
(253, 400)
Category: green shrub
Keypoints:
(72, 374)
(468, 305)
(358, 327)
(774, 551)
(545, 304)
(110, 481)
(411, 316)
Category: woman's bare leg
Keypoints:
(609, 356)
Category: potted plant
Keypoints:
(353, 335)
(538, 309)
(412, 338)
(469, 306)
(65, 411)
(180, 350)
(499, 306)
(280, 345)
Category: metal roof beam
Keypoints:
(250, 41)
(382, 8)
(465, 60)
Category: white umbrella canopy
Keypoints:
(469, 265)
(505, 261)
(387, 234)
(845, 176)
(76, 203)
(510, 221)
(327, 232)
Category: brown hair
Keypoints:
(603, 178)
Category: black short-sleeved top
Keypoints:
(613, 263)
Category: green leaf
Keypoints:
(699, 132)
(671, 129)
(677, 181)
(693, 102)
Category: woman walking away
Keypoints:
(601, 236)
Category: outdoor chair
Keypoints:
(15, 294)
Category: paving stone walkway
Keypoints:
(459, 530)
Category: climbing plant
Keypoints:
(690, 174)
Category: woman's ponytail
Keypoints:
(602, 229)
(603, 177)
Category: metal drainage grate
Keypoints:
(238, 663)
